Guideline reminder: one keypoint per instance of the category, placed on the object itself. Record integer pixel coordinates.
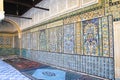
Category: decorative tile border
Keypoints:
(111, 3)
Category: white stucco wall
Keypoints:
(57, 8)
(117, 48)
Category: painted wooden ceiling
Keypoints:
(19, 7)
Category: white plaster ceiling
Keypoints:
(6, 27)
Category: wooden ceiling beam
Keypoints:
(26, 5)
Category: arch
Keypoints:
(15, 25)
(19, 32)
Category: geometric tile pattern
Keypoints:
(111, 37)
(7, 51)
(55, 39)
(28, 36)
(105, 36)
(24, 40)
(16, 42)
(69, 38)
(52, 40)
(34, 40)
(1, 41)
(6, 42)
(59, 35)
(42, 40)
(92, 65)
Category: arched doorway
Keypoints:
(18, 31)
(15, 25)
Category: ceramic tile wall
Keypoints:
(95, 57)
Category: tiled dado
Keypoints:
(9, 51)
(97, 66)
